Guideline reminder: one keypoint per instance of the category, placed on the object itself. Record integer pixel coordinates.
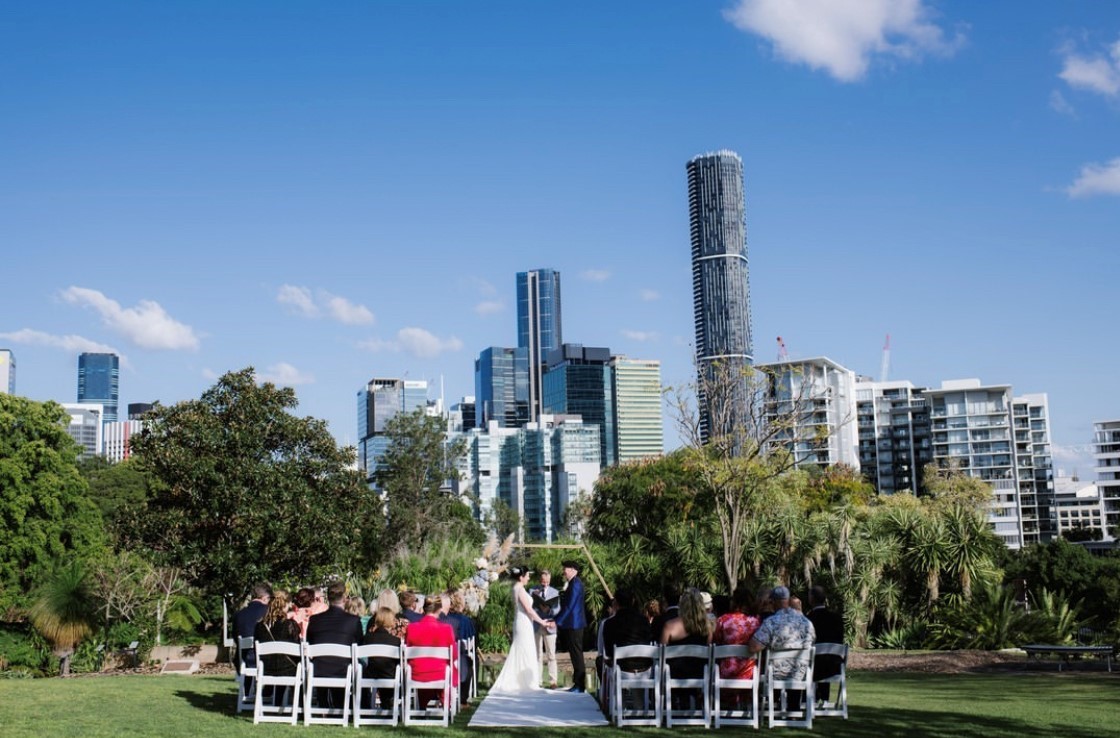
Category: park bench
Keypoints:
(1065, 654)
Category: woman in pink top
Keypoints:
(736, 628)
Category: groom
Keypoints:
(571, 621)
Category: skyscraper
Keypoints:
(578, 382)
(501, 386)
(378, 402)
(538, 326)
(720, 291)
(638, 428)
(99, 382)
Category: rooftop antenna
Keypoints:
(885, 367)
(783, 355)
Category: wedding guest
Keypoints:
(735, 629)
(388, 598)
(276, 626)
(380, 632)
(302, 609)
(691, 628)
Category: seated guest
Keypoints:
(628, 627)
(735, 629)
(785, 629)
(357, 606)
(320, 604)
(302, 609)
(276, 626)
(408, 606)
(652, 610)
(829, 627)
(380, 633)
(763, 604)
(388, 598)
(670, 608)
(429, 631)
(691, 628)
(458, 612)
(334, 625)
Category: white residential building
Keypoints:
(822, 394)
(85, 425)
(1106, 449)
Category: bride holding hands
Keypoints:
(522, 669)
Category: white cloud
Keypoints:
(73, 344)
(1059, 104)
(640, 335)
(285, 375)
(348, 312)
(843, 36)
(417, 342)
(323, 303)
(299, 298)
(147, 324)
(1097, 179)
(650, 295)
(596, 275)
(489, 307)
(1099, 73)
(422, 344)
(209, 374)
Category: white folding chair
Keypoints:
(644, 687)
(838, 683)
(744, 709)
(413, 711)
(316, 707)
(789, 670)
(375, 713)
(245, 674)
(693, 710)
(469, 650)
(284, 689)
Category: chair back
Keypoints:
(833, 649)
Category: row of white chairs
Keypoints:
(277, 697)
(647, 697)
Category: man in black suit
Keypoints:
(245, 622)
(830, 629)
(334, 625)
(670, 600)
(628, 627)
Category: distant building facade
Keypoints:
(638, 425)
(86, 426)
(1106, 451)
(7, 371)
(116, 441)
(99, 382)
(578, 382)
(378, 403)
(817, 398)
(720, 284)
(1079, 511)
(539, 327)
(501, 387)
(892, 419)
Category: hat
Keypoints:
(707, 598)
(570, 564)
(780, 593)
(518, 571)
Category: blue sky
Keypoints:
(336, 191)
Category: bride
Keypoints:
(522, 670)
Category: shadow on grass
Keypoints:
(218, 702)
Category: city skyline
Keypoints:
(332, 195)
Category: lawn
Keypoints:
(882, 704)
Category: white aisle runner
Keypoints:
(539, 709)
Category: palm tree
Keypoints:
(928, 552)
(63, 612)
(970, 547)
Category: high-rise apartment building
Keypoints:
(116, 439)
(7, 371)
(814, 401)
(1106, 450)
(720, 286)
(501, 387)
(1030, 416)
(892, 419)
(578, 382)
(539, 328)
(378, 402)
(638, 426)
(99, 382)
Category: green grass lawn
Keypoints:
(882, 704)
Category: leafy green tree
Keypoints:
(46, 516)
(119, 490)
(950, 485)
(414, 472)
(836, 486)
(643, 498)
(248, 491)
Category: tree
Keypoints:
(63, 611)
(413, 472)
(46, 516)
(752, 418)
(951, 485)
(248, 491)
(119, 490)
(644, 497)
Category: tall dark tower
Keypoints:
(720, 291)
(99, 381)
(538, 326)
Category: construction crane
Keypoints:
(885, 367)
(783, 355)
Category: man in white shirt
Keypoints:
(546, 601)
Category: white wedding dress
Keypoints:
(522, 670)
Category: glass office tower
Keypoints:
(99, 382)
(720, 292)
(501, 387)
(538, 326)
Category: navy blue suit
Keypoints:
(571, 621)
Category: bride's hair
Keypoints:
(516, 572)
